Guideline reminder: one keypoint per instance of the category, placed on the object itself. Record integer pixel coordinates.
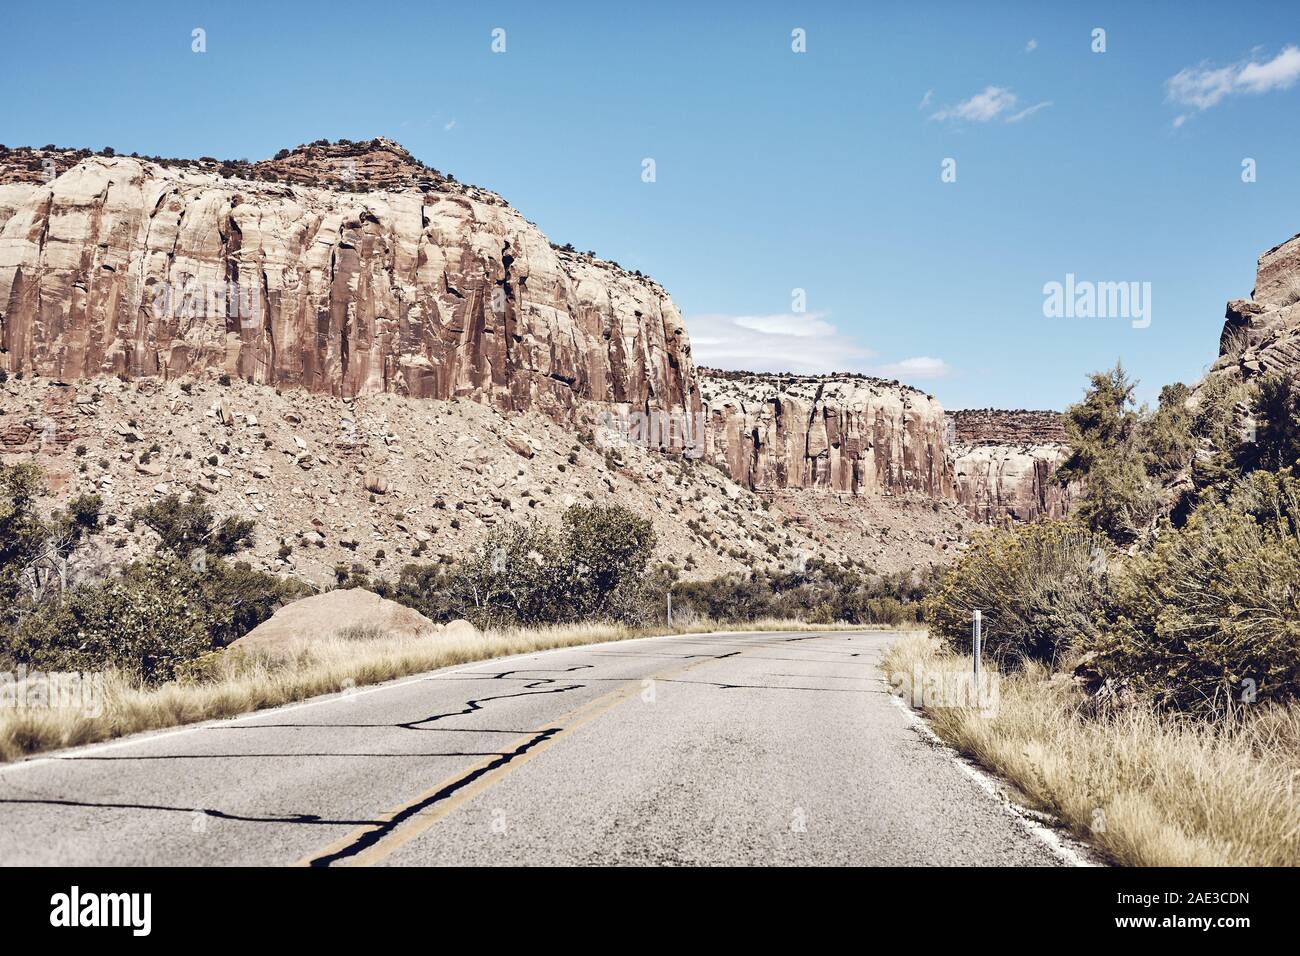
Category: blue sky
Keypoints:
(775, 170)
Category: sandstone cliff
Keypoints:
(344, 269)
(1261, 335)
(1004, 460)
(838, 433)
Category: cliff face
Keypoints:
(1261, 335)
(351, 269)
(1003, 463)
(839, 433)
(424, 288)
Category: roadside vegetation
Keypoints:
(1150, 645)
(231, 682)
(156, 633)
(1143, 788)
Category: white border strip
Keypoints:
(989, 784)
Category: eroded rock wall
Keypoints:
(391, 279)
(839, 433)
(1003, 463)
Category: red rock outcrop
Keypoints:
(840, 433)
(1261, 335)
(344, 269)
(1004, 460)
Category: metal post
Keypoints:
(670, 608)
(975, 645)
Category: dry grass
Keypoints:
(1142, 789)
(227, 683)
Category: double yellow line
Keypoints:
(375, 842)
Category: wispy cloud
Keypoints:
(1030, 111)
(992, 103)
(785, 342)
(449, 125)
(913, 369)
(1031, 46)
(796, 342)
(926, 100)
(1203, 86)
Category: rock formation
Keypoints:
(353, 271)
(345, 269)
(1004, 460)
(838, 433)
(1261, 335)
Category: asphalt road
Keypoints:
(717, 749)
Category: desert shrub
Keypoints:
(34, 550)
(143, 624)
(608, 549)
(1211, 614)
(594, 568)
(1126, 457)
(820, 592)
(22, 533)
(1275, 406)
(152, 618)
(1039, 587)
(185, 526)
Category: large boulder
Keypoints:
(346, 612)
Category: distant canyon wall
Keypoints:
(848, 434)
(1003, 463)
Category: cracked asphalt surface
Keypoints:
(779, 748)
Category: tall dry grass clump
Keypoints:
(1143, 788)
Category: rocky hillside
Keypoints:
(844, 433)
(1003, 462)
(346, 269)
(382, 480)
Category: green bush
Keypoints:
(185, 526)
(143, 624)
(821, 592)
(154, 617)
(1211, 615)
(525, 574)
(1038, 586)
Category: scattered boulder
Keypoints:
(458, 628)
(350, 610)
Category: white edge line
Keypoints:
(146, 736)
(989, 784)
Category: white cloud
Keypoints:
(981, 107)
(918, 367)
(800, 325)
(994, 102)
(449, 125)
(1031, 46)
(925, 100)
(795, 342)
(788, 342)
(1201, 87)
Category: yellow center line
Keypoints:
(483, 775)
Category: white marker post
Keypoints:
(975, 644)
(670, 608)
